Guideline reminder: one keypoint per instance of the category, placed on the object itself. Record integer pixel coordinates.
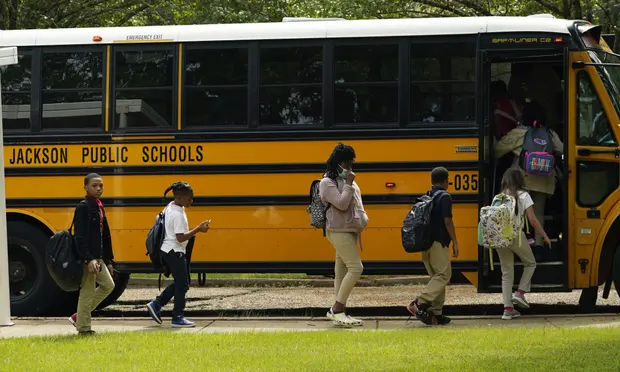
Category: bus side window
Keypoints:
(595, 180)
(593, 124)
(144, 80)
(72, 88)
(16, 84)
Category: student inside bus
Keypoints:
(540, 187)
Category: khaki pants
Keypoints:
(348, 268)
(539, 199)
(507, 261)
(90, 297)
(437, 263)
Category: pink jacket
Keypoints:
(346, 213)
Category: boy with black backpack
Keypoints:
(94, 247)
(428, 307)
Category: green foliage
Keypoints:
(24, 14)
(19, 14)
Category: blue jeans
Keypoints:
(178, 268)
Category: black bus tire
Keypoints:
(615, 271)
(68, 305)
(587, 300)
(120, 284)
(33, 291)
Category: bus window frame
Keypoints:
(363, 41)
(68, 49)
(134, 47)
(31, 52)
(184, 87)
(436, 40)
(300, 43)
(578, 76)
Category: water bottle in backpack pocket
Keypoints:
(536, 156)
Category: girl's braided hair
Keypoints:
(179, 188)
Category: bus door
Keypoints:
(595, 171)
(513, 68)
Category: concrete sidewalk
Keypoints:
(58, 327)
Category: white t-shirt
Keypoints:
(524, 201)
(176, 223)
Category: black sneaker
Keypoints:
(442, 319)
(86, 333)
(419, 310)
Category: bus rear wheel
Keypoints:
(68, 305)
(120, 284)
(32, 290)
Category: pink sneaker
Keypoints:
(73, 320)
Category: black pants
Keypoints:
(178, 268)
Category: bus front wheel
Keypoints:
(32, 290)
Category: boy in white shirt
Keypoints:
(177, 234)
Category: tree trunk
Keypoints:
(566, 9)
(577, 13)
(12, 13)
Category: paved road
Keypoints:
(56, 327)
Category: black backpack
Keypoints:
(63, 262)
(417, 231)
(154, 241)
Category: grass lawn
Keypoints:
(496, 349)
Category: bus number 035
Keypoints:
(465, 182)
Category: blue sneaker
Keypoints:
(181, 322)
(154, 311)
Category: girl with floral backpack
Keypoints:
(513, 185)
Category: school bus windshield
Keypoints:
(610, 75)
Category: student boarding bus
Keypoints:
(249, 113)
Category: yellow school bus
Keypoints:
(249, 113)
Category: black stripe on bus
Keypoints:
(371, 267)
(436, 130)
(318, 168)
(223, 200)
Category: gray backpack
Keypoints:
(317, 210)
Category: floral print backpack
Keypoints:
(499, 225)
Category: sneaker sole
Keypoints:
(520, 302)
(72, 322)
(510, 317)
(153, 314)
(183, 325)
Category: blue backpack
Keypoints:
(154, 241)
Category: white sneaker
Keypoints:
(519, 300)
(508, 315)
(343, 320)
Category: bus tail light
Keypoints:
(97, 38)
(390, 185)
